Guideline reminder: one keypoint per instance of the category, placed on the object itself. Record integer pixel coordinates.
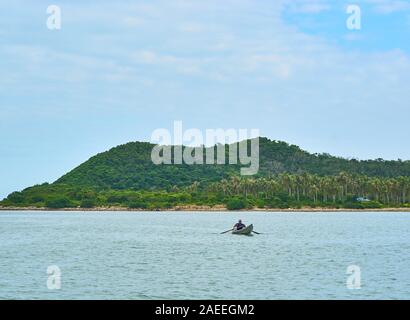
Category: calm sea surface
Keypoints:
(171, 255)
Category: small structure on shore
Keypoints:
(362, 199)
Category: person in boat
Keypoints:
(239, 225)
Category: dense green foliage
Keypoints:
(281, 191)
(129, 166)
(288, 178)
(349, 191)
(236, 204)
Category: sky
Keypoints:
(118, 70)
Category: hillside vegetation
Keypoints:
(288, 177)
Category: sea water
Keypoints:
(169, 255)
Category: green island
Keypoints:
(289, 178)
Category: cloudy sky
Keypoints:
(115, 72)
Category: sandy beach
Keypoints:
(206, 208)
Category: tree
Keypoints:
(236, 204)
(59, 203)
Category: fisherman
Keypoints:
(239, 225)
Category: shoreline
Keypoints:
(203, 209)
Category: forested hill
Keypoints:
(129, 166)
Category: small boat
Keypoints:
(244, 231)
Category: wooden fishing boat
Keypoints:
(244, 231)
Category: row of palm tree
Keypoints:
(341, 187)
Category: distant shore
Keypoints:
(205, 208)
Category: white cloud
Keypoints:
(37, 62)
(130, 21)
(308, 6)
(353, 36)
(389, 6)
(180, 64)
(241, 55)
(192, 27)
